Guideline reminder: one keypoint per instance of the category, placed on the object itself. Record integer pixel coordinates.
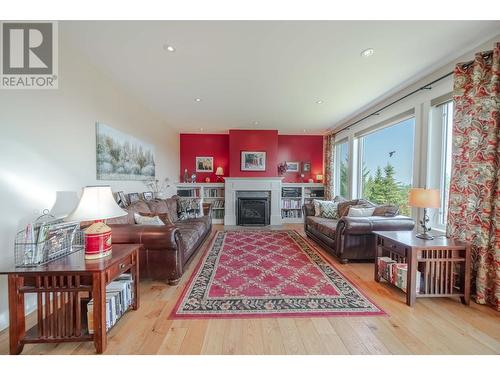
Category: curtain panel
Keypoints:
(474, 202)
(328, 178)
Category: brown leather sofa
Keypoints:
(351, 238)
(166, 248)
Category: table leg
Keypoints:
(99, 296)
(17, 324)
(378, 253)
(135, 277)
(466, 298)
(411, 292)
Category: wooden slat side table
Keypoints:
(62, 289)
(443, 262)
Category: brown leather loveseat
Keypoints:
(351, 238)
(166, 248)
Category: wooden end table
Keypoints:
(443, 262)
(63, 287)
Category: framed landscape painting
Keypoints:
(292, 166)
(204, 164)
(253, 161)
(122, 157)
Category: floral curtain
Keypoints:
(329, 149)
(474, 204)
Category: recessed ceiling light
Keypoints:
(197, 100)
(319, 101)
(168, 48)
(367, 52)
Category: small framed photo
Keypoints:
(306, 167)
(204, 164)
(292, 166)
(253, 161)
(148, 195)
(121, 199)
(133, 197)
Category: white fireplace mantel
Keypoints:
(235, 184)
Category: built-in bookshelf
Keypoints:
(293, 197)
(207, 193)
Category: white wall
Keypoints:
(47, 143)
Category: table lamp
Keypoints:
(319, 178)
(424, 198)
(96, 204)
(219, 173)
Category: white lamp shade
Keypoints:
(219, 171)
(96, 203)
(424, 198)
(66, 201)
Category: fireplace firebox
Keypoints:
(253, 208)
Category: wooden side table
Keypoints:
(63, 288)
(443, 262)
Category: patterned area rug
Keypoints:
(268, 274)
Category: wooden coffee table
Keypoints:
(63, 288)
(443, 262)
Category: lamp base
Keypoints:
(424, 236)
(97, 241)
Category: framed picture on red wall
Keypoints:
(204, 164)
(253, 161)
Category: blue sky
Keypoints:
(397, 138)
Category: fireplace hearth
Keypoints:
(253, 208)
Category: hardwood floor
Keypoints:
(433, 326)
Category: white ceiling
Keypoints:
(270, 72)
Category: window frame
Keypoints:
(336, 165)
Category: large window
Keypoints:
(439, 163)
(385, 171)
(341, 169)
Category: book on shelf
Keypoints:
(214, 192)
(218, 203)
(288, 203)
(119, 298)
(291, 214)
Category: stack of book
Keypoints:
(119, 298)
(294, 204)
(218, 203)
(396, 273)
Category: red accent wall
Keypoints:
(301, 148)
(193, 145)
(253, 140)
(226, 149)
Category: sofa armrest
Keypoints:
(207, 209)
(153, 237)
(366, 225)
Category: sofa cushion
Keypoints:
(323, 225)
(191, 231)
(165, 217)
(188, 208)
(137, 207)
(360, 211)
(147, 219)
(165, 206)
(343, 208)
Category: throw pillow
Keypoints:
(360, 211)
(387, 210)
(328, 209)
(155, 220)
(317, 207)
(164, 217)
(188, 208)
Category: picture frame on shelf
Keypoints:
(133, 197)
(292, 166)
(306, 167)
(121, 199)
(148, 195)
(253, 161)
(204, 164)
